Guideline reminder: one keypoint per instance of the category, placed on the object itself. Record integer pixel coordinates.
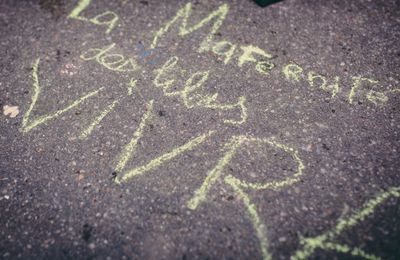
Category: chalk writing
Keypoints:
(232, 147)
(376, 97)
(224, 48)
(132, 86)
(192, 93)
(213, 175)
(294, 73)
(155, 163)
(82, 5)
(131, 146)
(238, 185)
(28, 126)
(114, 62)
(327, 240)
(314, 77)
(357, 85)
(247, 56)
(89, 129)
(183, 15)
(260, 228)
(99, 19)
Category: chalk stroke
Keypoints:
(166, 69)
(193, 94)
(132, 86)
(28, 126)
(238, 185)
(111, 23)
(232, 147)
(260, 228)
(183, 14)
(201, 194)
(264, 67)
(292, 72)
(241, 105)
(326, 241)
(393, 90)
(224, 48)
(82, 5)
(94, 124)
(129, 149)
(155, 163)
(357, 84)
(247, 56)
(376, 97)
(313, 78)
(344, 249)
(98, 19)
(114, 62)
(274, 185)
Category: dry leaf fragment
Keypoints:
(11, 111)
(80, 177)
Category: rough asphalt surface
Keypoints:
(58, 195)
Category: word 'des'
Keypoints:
(112, 61)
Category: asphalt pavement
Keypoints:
(199, 129)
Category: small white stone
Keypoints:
(282, 239)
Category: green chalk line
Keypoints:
(128, 150)
(26, 126)
(88, 131)
(260, 228)
(165, 157)
(311, 244)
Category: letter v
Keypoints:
(28, 126)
